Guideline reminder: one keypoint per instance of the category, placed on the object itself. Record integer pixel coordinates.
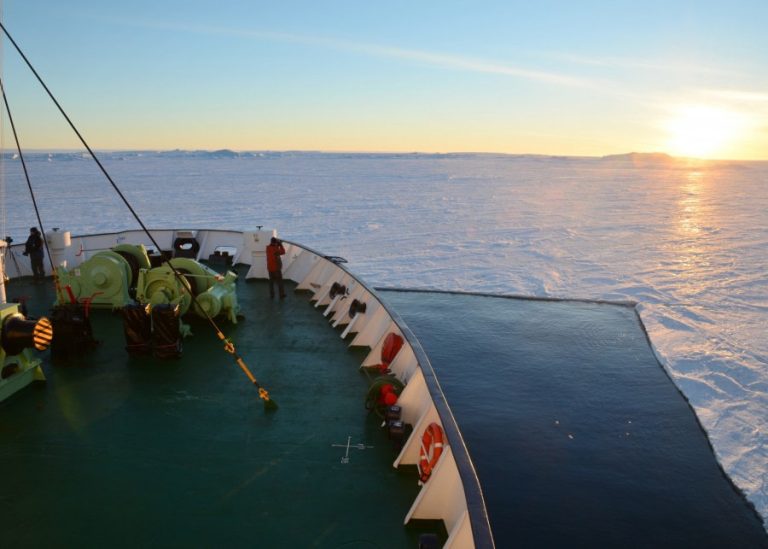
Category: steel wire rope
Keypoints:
(29, 185)
(3, 212)
(229, 347)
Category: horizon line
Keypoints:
(647, 154)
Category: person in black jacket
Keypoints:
(34, 249)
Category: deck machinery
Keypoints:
(123, 274)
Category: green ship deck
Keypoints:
(120, 451)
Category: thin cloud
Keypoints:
(470, 64)
(435, 59)
(738, 95)
(634, 63)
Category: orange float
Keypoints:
(431, 450)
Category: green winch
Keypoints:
(107, 279)
(123, 275)
(215, 294)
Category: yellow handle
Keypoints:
(246, 370)
(230, 348)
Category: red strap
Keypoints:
(86, 301)
(72, 298)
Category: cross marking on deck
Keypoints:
(348, 445)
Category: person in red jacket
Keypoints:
(275, 266)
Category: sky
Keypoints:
(583, 78)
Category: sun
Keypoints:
(702, 131)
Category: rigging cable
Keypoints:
(3, 233)
(31, 192)
(229, 347)
(3, 212)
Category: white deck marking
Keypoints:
(348, 445)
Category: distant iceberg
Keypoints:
(660, 160)
(647, 158)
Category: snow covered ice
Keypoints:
(687, 241)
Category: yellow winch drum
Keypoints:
(18, 334)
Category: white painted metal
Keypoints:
(309, 281)
(320, 279)
(331, 305)
(340, 303)
(58, 242)
(374, 313)
(325, 279)
(301, 263)
(404, 364)
(374, 356)
(409, 455)
(202, 240)
(185, 234)
(341, 315)
(254, 252)
(461, 535)
(351, 325)
(341, 307)
(58, 239)
(442, 495)
(378, 325)
(337, 277)
(211, 240)
(323, 294)
(3, 245)
(414, 400)
(291, 251)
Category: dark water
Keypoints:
(578, 436)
